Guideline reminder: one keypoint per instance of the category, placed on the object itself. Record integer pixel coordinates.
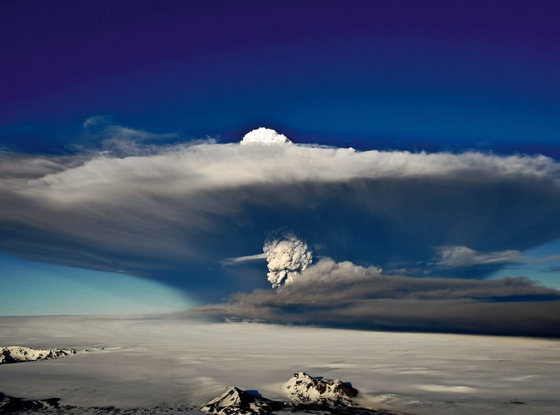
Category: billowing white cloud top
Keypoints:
(286, 259)
(264, 136)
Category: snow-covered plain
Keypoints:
(152, 361)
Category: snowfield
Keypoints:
(156, 361)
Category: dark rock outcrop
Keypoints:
(236, 401)
(12, 405)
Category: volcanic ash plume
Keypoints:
(286, 259)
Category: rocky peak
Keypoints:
(240, 402)
(16, 354)
(305, 389)
(306, 395)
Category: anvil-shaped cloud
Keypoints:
(175, 212)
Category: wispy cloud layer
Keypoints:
(462, 256)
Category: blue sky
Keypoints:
(419, 75)
(37, 288)
(119, 125)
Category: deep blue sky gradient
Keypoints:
(401, 74)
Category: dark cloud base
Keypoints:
(391, 223)
(527, 318)
(345, 295)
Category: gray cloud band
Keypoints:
(172, 210)
(347, 295)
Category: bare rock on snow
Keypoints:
(17, 354)
(240, 402)
(305, 389)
